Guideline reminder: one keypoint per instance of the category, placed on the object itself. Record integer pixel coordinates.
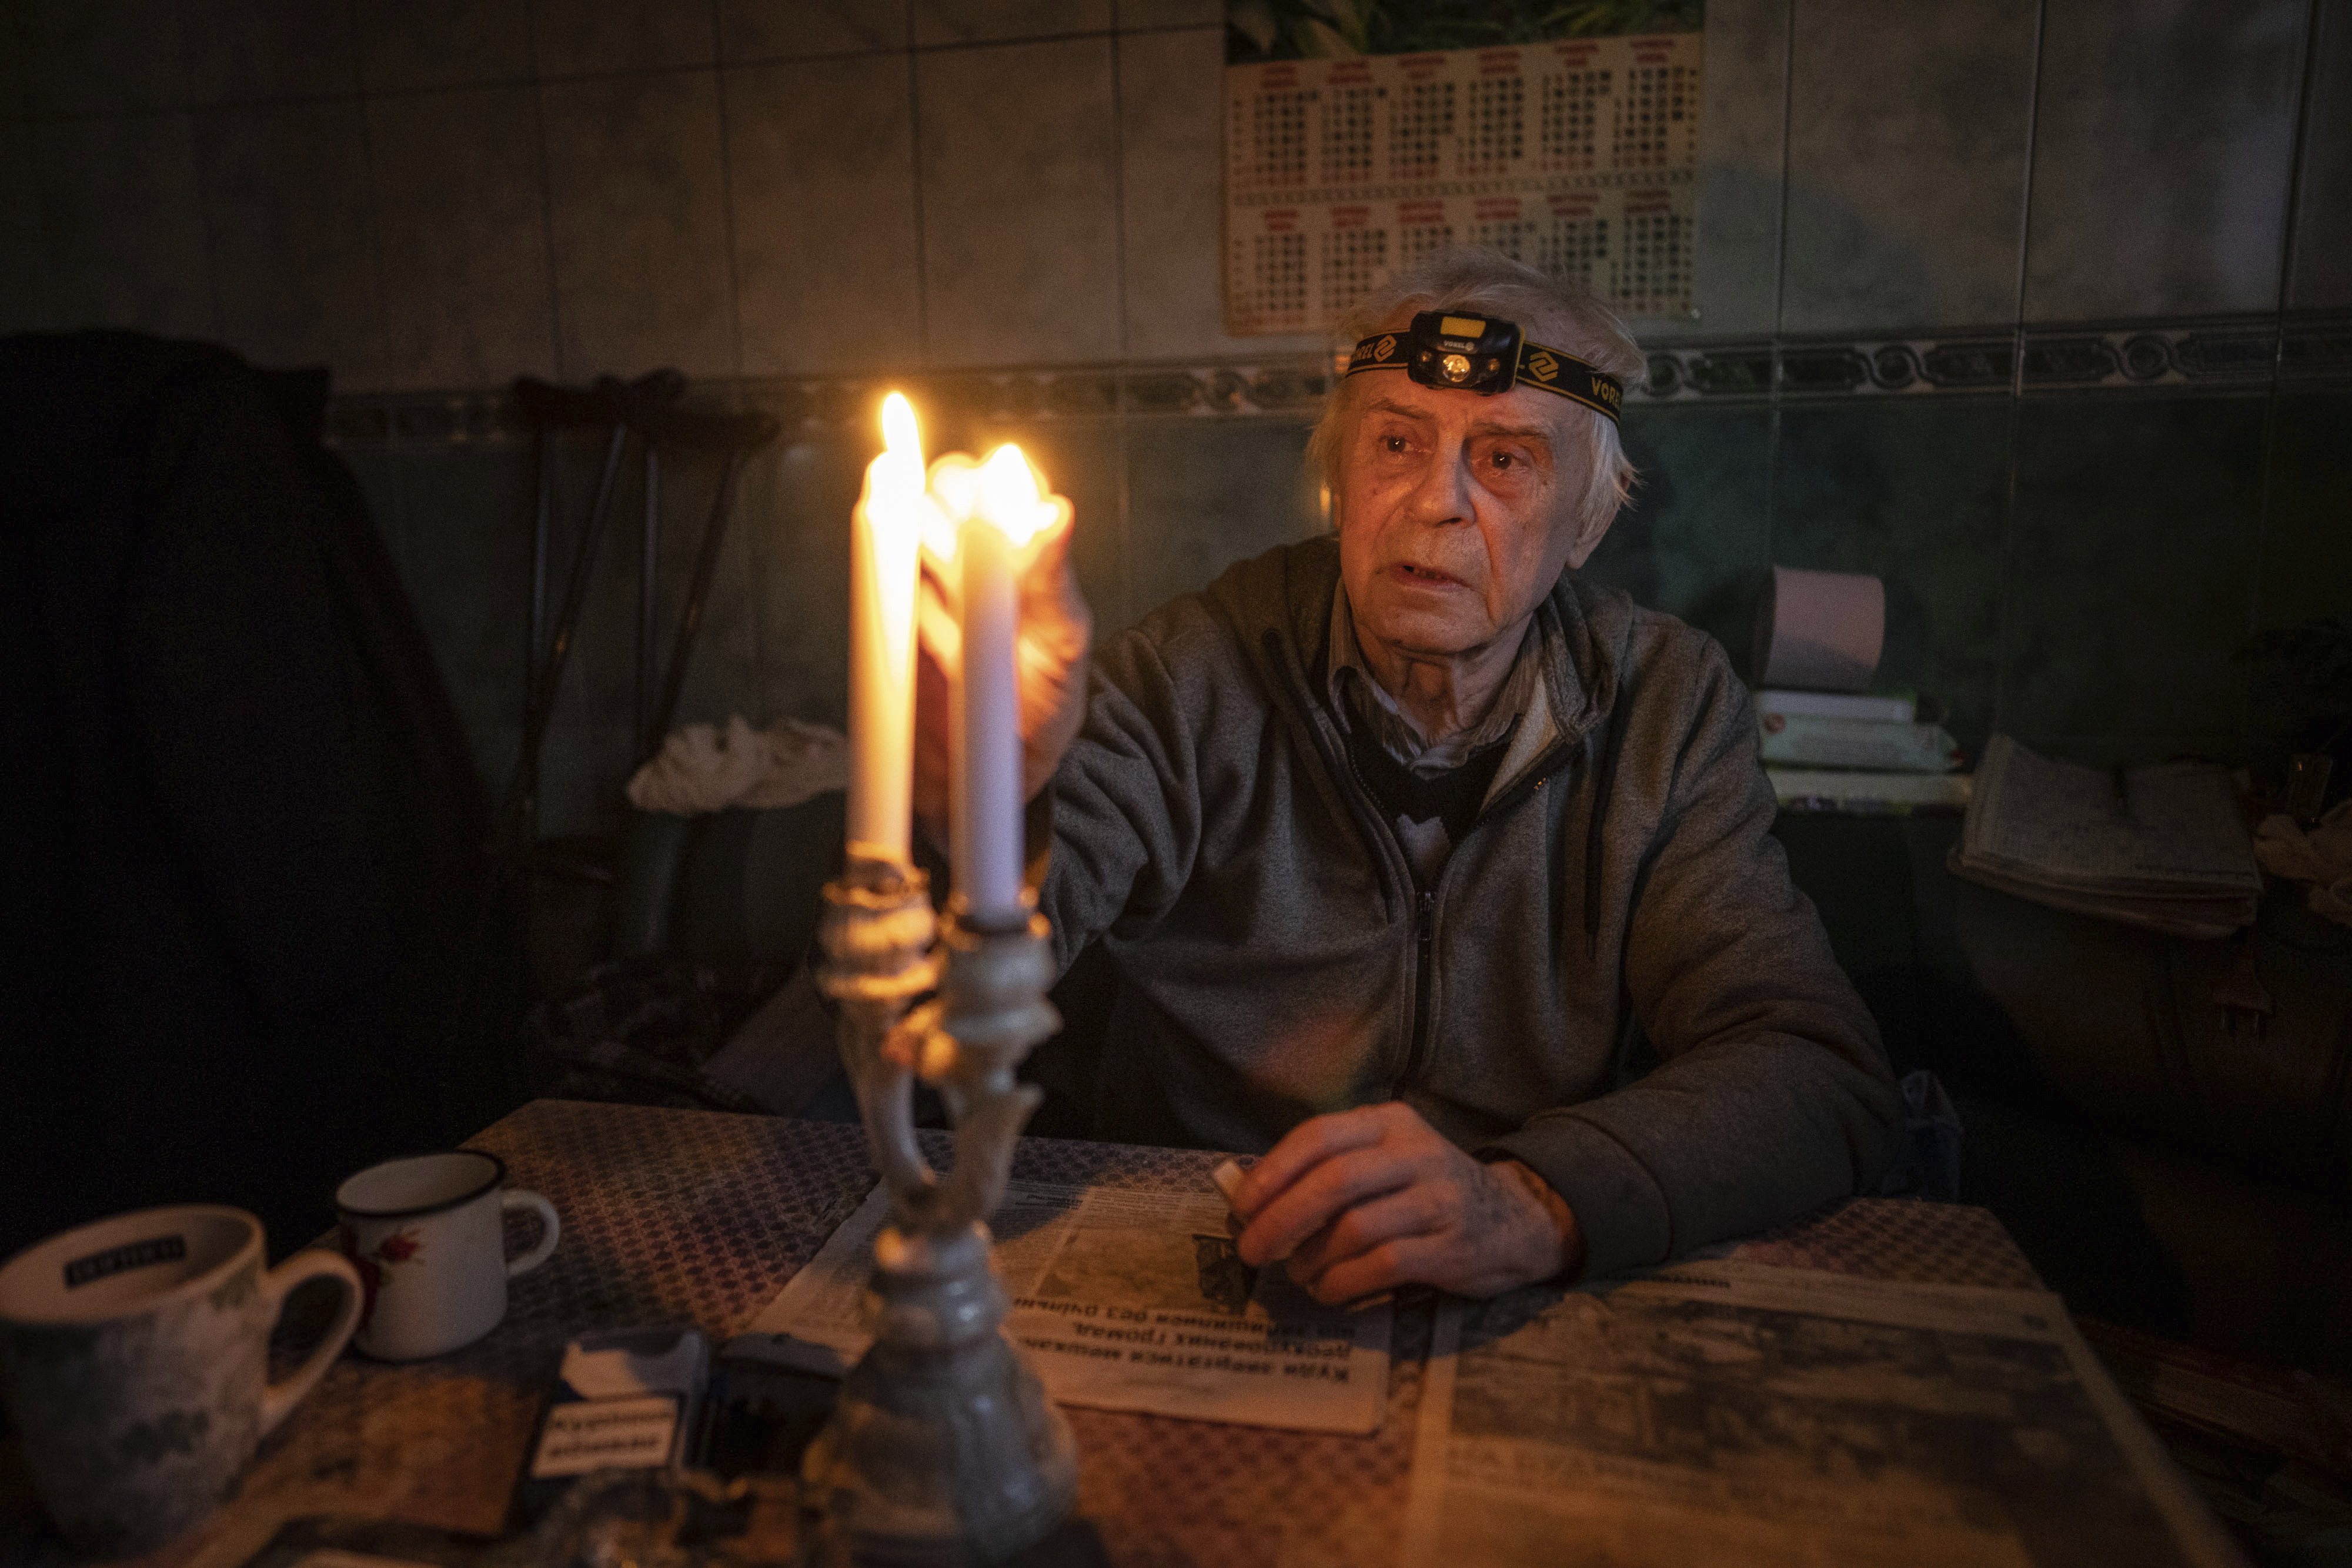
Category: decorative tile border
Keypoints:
(2217, 355)
(2241, 354)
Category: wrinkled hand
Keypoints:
(1057, 629)
(1366, 1200)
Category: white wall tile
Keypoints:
(83, 58)
(573, 36)
(1907, 144)
(2160, 157)
(821, 175)
(461, 222)
(2321, 274)
(639, 218)
(1134, 13)
(751, 30)
(17, 40)
(1020, 210)
(444, 43)
(239, 51)
(290, 229)
(1743, 126)
(121, 231)
(1171, 106)
(24, 277)
(939, 22)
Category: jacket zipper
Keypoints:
(1424, 942)
(1369, 824)
(1537, 774)
(1424, 927)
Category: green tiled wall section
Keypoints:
(2074, 570)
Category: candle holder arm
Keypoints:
(990, 1013)
(878, 931)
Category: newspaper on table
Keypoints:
(1125, 1299)
(1724, 1412)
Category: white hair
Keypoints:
(1475, 280)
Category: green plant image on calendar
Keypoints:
(1261, 30)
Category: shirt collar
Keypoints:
(1355, 695)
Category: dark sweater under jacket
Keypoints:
(1276, 959)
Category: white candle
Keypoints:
(987, 801)
(885, 531)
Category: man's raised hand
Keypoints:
(1057, 629)
(1362, 1201)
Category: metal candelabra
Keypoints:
(942, 1447)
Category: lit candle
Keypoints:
(986, 825)
(885, 529)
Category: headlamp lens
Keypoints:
(1456, 368)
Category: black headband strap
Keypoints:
(1555, 371)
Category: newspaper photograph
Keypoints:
(1125, 1300)
(1726, 1412)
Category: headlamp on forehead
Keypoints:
(1486, 355)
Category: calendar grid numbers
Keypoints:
(1570, 119)
(1497, 126)
(1577, 157)
(1421, 126)
(1349, 114)
(1354, 260)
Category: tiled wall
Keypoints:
(447, 194)
(790, 199)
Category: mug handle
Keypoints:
(278, 1399)
(517, 1199)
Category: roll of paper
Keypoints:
(1820, 630)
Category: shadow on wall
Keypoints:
(1694, 542)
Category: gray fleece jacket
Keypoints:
(1276, 960)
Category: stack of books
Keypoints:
(1838, 751)
(2162, 846)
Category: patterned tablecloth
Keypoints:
(681, 1214)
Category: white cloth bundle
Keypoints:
(699, 770)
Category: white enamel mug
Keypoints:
(134, 1357)
(427, 1235)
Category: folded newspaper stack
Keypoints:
(1844, 752)
(2161, 846)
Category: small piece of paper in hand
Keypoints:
(1228, 1177)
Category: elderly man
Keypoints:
(1391, 837)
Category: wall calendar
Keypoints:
(1578, 156)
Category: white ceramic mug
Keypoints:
(428, 1236)
(134, 1356)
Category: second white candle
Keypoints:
(987, 807)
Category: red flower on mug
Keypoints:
(397, 1247)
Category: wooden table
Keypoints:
(690, 1215)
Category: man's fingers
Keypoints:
(1410, 1211)
(1301, 1149)
(1321, 1196)
(1407, 1261)
(1045, 558)
(932, 700)
(938, 632)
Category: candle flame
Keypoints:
(895, 503)
(900, 435)
(1011, 496)
(949, 501)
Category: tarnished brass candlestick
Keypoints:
(942, 1447)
